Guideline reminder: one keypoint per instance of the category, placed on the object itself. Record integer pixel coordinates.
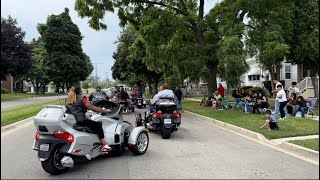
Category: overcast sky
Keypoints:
(98, 45)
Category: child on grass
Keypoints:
(271, 122)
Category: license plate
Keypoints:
(167, 121)
(44, 147)
(122, 105)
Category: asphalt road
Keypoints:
(22, 102)
(196, 150)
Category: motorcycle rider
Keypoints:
(123, 95)
(79, 105)
(98, 95)
(165, 93)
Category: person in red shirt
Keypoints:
(79, 105)
(221, 90)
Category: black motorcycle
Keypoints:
(165, 120)
(126, 106)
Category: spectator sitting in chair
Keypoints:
(302, 106)
(237, 97)
(262, 102)
(253, 100)
(292, 103)
(246, 101)
(216, 100)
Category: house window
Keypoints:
(254, 77)
(288, 72)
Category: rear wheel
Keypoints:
(166, 133)
(142, 144)
(53, 164)
(132, 109)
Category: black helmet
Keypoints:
(77, 90)
(98, 88)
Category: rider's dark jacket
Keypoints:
(98, 95)
(79, 109)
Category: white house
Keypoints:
(256, 75)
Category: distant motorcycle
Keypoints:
(126, 106)
(165, 120)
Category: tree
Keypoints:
(38, 75)
(65, 59)
(129, 65)
(187, 16)
(15, 53)
(305, 38)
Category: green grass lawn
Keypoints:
(308, 143)
(15, 96)
(16, 114)
(288, 128)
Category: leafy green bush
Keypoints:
(255, 89)
(240, 88)
(267, 85)
(4, 91)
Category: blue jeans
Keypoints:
(302, 109)
(241, 105)
(247, 107)
(179, 105)
(237, 102)
(277, 108)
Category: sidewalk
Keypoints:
(282, 140)
(23, 102)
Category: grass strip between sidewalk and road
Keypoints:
(308, 143)
(23, 112)
(291, 127)
(16, 96)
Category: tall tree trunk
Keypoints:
(156, 86)
(315, 83)
(43, 85)
(37, 88)
(150, 86)
(63, 84)
(57, 87)
(212, 77)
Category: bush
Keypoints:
(267, 85)
(255, 89)
(4, 91)
(240, 88)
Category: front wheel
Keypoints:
(142, 144)
(53, 164)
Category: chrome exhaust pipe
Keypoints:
(67, 161)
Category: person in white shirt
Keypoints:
(277, 104)
(165, 93)
(282, 98)
(293, 89)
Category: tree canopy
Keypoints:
(15, 52)
(65, 60)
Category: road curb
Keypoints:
(16, 124)
(292, 148)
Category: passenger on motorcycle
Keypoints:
(98, 95)
(79, 105)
